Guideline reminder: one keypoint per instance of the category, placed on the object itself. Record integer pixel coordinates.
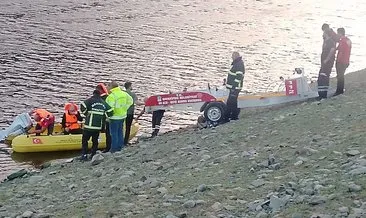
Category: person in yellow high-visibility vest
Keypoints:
(119, 101)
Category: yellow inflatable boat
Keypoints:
(57, 141)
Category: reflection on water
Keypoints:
(37, 159)
(57, 51)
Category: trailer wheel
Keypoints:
(214, 112)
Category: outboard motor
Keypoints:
(18, 127)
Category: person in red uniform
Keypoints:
(45, 121)
(343, 56)
(70, 120)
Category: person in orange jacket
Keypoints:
(45, 120)
(70, 120)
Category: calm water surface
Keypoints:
(55, 51)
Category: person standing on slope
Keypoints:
(130, 111)
(119, 101)
(105, 127)
(343, 57)
(327, 62)
(94, 109)
(234, 83)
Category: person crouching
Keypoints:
(45, 120)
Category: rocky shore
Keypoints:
(305, 160)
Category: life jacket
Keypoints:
(71, 119)
(43, 114)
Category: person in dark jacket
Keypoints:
(94, 108)
(130, 112)
(327, 62)
(234, 83)
(101, 87)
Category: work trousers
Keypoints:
(323, 80)
(232, 110)
(341, 69)
(87, 134)
(116, 131)
(157, 116)
(128, 121)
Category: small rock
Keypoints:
(120, 157)
(17, 174)
(343, 210)
(233, 197)
(97, 159)
(353, 153)
(52, 173)
(316, 200)
(154, 184)
(184, 191)
(130, 173)
(321, 216)
(357, 213)
(271, 159)
(45, 165)
(159, 167)
(206, 157)
(171, 216)
(42, 215)
(352, 187)
(69, 160)
(298, 163)
(258, 183)
(27, 214)
(276, 203)
(217, 206)
(358, 171)
(200, 202)
(337, 152)
(253, 205)
(201, 188)
(72, 186)
(162, 190)
(143, 196)
(183, 214)
(229, 207)
(35, 179)
(189, 204)
(165, 204)
(357, 203)
(97, 174)
(297, 215)
(264, 163)
(262, 214)
(276, 166)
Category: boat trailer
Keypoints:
(212, 102)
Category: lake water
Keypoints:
(55, 51)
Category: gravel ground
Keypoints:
(305, 160)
